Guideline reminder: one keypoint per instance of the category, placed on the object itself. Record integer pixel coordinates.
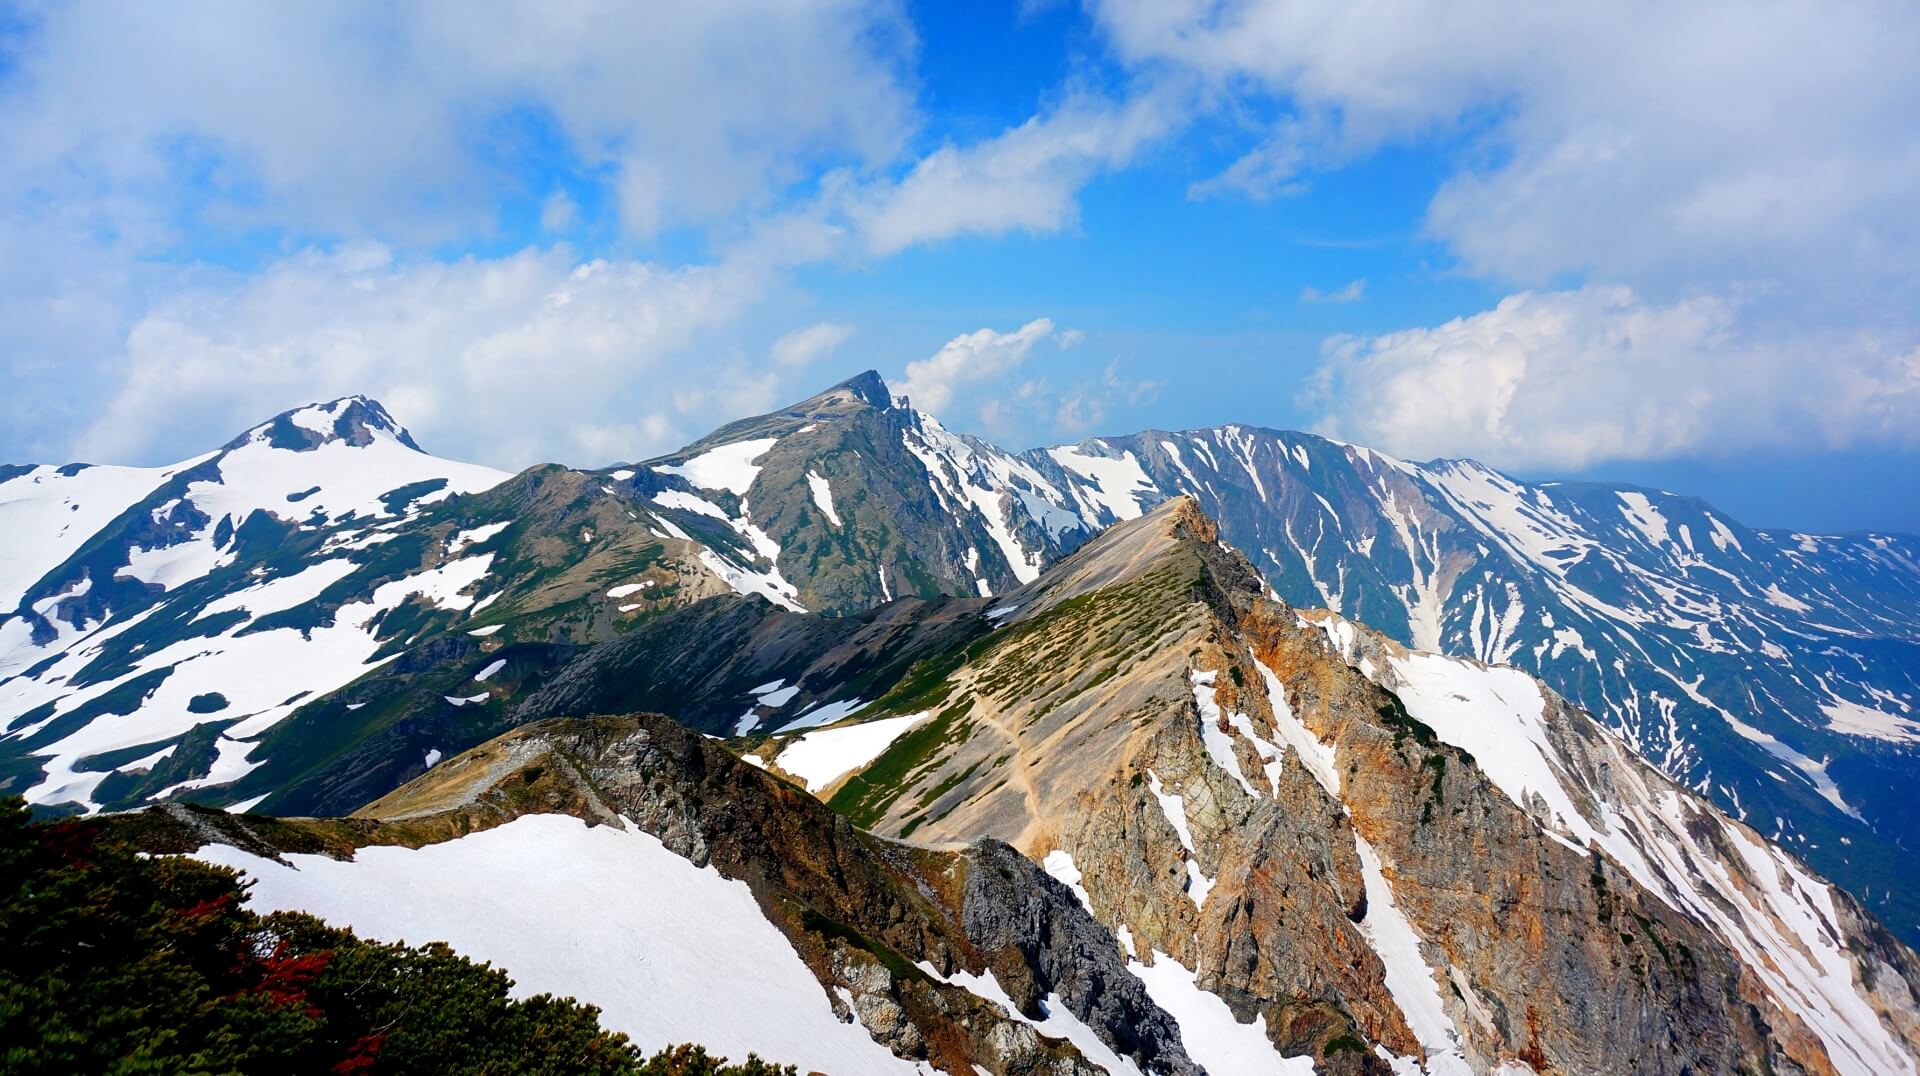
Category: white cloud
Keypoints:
(983, 355)
(802, 347)
(530, 357)
(1027, 178)
(1659, 144)
(1351, 292)
(375, 120)
(1571, 378)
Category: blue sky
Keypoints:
(1672, 244)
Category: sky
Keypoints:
(1674, 244)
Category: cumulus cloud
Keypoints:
(1027, 178)
(979, 356)
(1751, 172)
(350, 119)
(803, 347)
(388, 136)
(1643, 142)
(531, 357)
(1571, 378)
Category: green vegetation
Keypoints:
(1393, 713)
(867, 795)
(119, 963)
(831, 929)
(1345, 1041)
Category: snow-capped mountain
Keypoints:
(320, 610)
(1331, 835)
(1278, 842)
(852, 498)
(159, 619)
(1777, 672)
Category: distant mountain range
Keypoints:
(1135, 816)
(294, 615)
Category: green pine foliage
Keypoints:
(115, 962)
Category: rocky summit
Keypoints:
(866, 746)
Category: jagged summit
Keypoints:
(353, 420)
(1321, 838)
(868, 386)
(1345, 837)
(1175, 536)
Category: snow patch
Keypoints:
(684, 955)
(1116, 483)
(729, 467)
(824, 714)
(1213, 1038)
(823, 496)
(821, 758)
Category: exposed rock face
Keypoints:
(702, 664)
(1368, 855)
(1728, 656)
(867, 915)
(324, 542)
(860, 499)
(1241, 799)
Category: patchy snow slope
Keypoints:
(682, 954)
(49, 512)
(819, 758)
(728, 467)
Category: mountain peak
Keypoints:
(867, 385)
(354, 420)
(1175, 535)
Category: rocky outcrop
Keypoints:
(1237, 797)
(893, 932)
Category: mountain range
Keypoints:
(1014, 750)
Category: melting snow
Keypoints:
(1219, 745)
(729, 467)
(1776, 596)
(820, 758)
(1316, 756)
(684, 955)
(282, 592)
(1207, 1027)
(1060, 1023)
(823, 496)
(61, 512)
(1844, 715)
(825, 714)
(1116, 483)
(1174, 806)
(1778, 918)
(1059, 863)
(1644, 516)
(687, 502)
(477, 535)
(484, 674)
(1409, 979)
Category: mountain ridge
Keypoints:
(1664, 617)
(1272, 830)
